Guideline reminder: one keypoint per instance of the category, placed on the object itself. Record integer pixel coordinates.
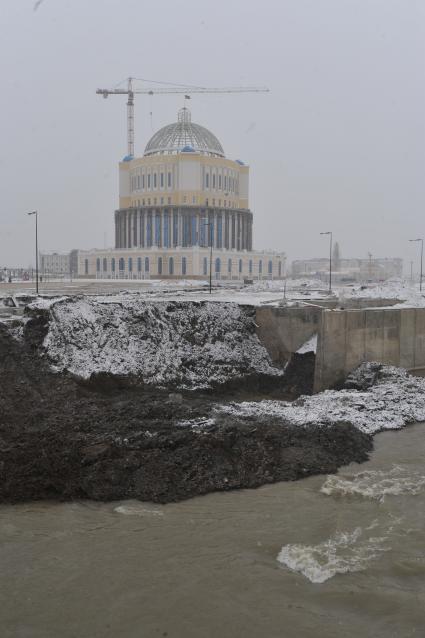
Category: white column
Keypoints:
(180, 234)
(195, 237)
(231, 230)
(130, 230)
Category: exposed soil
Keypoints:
(107, 439)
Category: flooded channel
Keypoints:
(337, 557)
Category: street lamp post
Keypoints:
(211, 249)
(422, 257)
(330, 257)
(34, 212)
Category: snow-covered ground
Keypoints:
(260, 292)
(408, 293)
(187, 345)
(396, 400)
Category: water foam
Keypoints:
(344, 552)
(137, 510)
(375, 484)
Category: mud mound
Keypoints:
(186, 345)
(60, 438)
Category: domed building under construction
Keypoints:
(178, 204)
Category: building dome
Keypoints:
(182, 135)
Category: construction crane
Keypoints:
(173, 88)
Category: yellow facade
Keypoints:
(185, 179)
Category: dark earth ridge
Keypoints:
(109, 439)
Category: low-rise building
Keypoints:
(349, 270)
(53, 263)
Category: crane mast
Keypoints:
(186, 90)
(130, 118)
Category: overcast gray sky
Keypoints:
(338, 144)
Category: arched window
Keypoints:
(121, 264)
(159, 265)
(250, 266)
(139, 264)
(280, 269)
(260, 266)
(105, 264)
(184, 265)
(240, 265)
(86, 266)
(146, 264)
(98, 264)
(205, 268)
(229, 265)
(171, 266)
(130, 264)
(270, 267)
(113, 264)
(218, 265)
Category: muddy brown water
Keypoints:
(351, 548)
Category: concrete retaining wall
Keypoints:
(349, 337)
(346, 338)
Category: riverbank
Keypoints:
(104, 439)
(113, 398)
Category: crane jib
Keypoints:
(186, 90)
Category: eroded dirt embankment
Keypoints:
(115, 429)
(111, 437)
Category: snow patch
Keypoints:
(408, 293)
(196, 424)
(185, 344)
(396, 400)
(309, 346)
(45, 303)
